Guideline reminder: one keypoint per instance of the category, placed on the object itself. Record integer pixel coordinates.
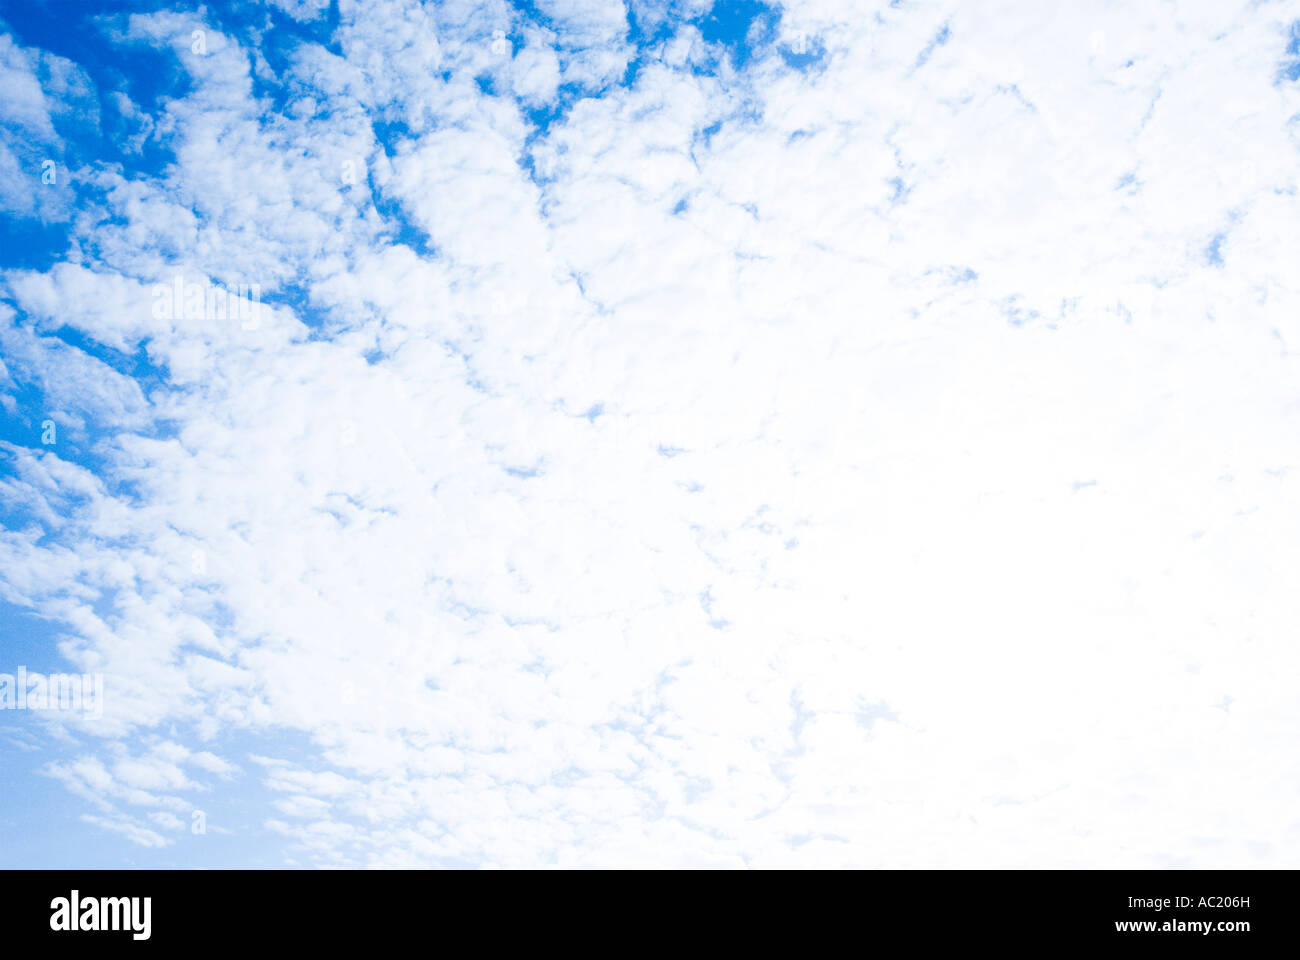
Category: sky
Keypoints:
(570, 433)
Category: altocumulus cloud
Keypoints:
(675, 433)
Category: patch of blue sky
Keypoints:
(805, 54)
(648, 28)
(136, 365)
(37, 418)
(28, 243)
(233, 818)
(98, 129)
(941, 37)
(28, 640)
(1214, 250)
(149, 76)
(391, 132)
(45, 416)
(740, 26)
(32, 801)
(1290, 68)
(235, 832)
(277, 36)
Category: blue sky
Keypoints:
(578, 433)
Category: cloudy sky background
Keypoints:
(828, 434)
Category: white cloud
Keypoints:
(304, 10)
